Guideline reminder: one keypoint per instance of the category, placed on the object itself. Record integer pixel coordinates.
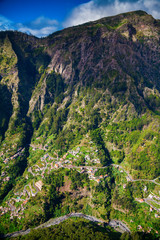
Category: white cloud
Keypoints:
(38, 32)
(90, 11)
(6, 24)
(96, 9)
(41, 21)
(40, 27)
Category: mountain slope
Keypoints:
(87, 96)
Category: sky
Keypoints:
(43, 17)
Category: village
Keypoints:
(47, 163)
(17, 204)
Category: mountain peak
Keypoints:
(82, 106)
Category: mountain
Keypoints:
(80, 123)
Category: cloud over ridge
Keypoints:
(89, 11)
(39, 27)
(5, 23)
(96, 9)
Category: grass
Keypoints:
(137, 137)
(118, 25)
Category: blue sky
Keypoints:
(41, 18)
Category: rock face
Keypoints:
(116, 56)
(120, 53)
(80, 81)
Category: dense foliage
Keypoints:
(81, 229)
(80, 125)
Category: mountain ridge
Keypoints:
(84, 96)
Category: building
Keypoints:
(24, 203)
(98, 180)
(145, 188)
(56, 165)
(39, 185)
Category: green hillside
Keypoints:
(80, 124)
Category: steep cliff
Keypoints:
(95, 83)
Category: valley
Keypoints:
(48, 164)
(80, 125)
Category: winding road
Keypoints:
(118, 225)
(32, 193)
(28, 193)
(119, 166)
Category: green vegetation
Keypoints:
(103, 152)
(53, 197)
(82, 229)
(5, 110)
(143, 144)
(79, 122)
(117, 25)
(73, 229)
(78, 180)
(56, 86)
